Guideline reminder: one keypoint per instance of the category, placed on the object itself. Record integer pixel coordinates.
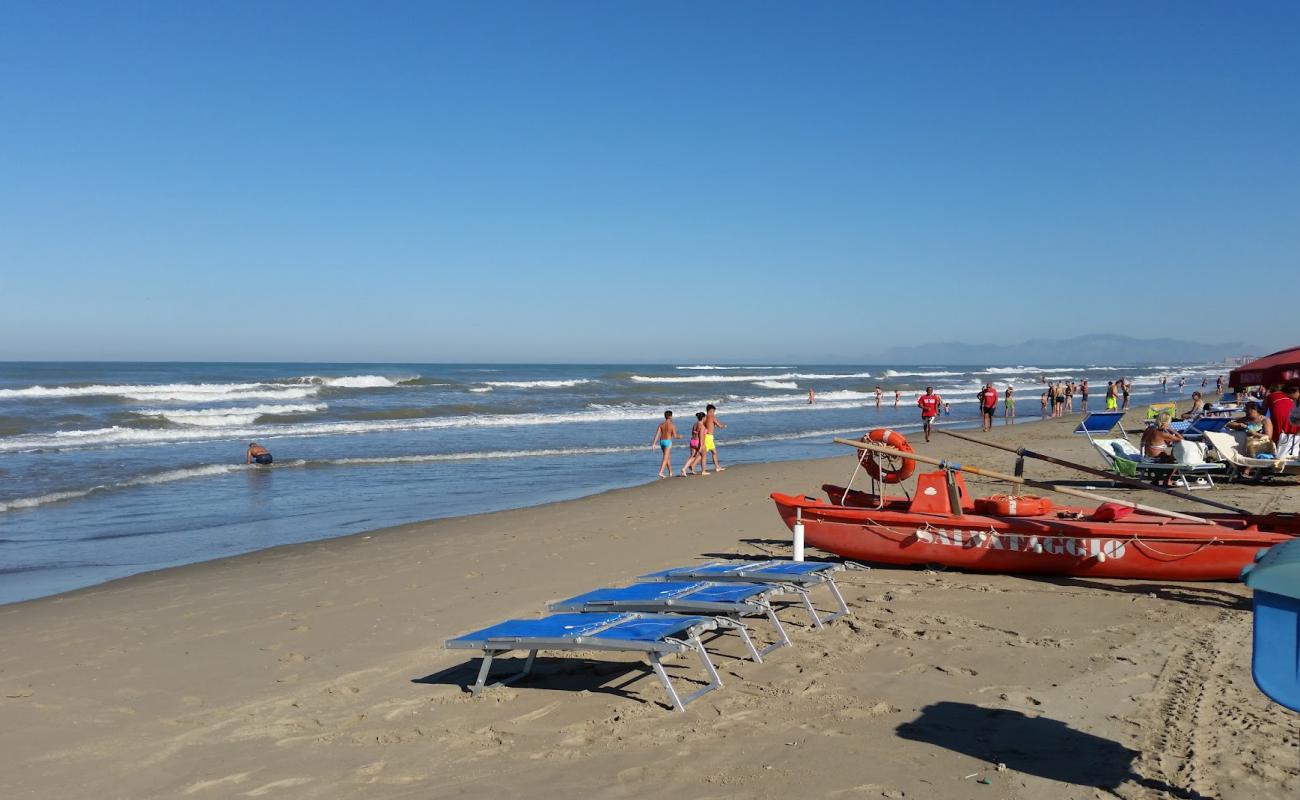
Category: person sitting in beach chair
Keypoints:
(1158, 441)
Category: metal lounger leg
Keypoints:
(807, 603)
(679, 702)
(782, 639)
(483, 671)
(743, 630)
(839, 598)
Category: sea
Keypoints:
(113, 469)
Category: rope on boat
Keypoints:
(1134, 539)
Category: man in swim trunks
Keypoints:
(1111, 403)
(1083, 393)
(664, 436)
(988, 399)
(929, 403)
(711, 424)
(257, 454)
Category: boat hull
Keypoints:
(1138, 547)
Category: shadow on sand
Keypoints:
(573, 675)
(1189, 593)
(1038, 746)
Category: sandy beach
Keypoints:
(317, 671)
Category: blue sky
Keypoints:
(626, 181)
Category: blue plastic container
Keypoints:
(1275, 663)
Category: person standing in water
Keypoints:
(257, 454)
(1009, 406)
(812, 396)
(879, 393)
(1083, 394)
(898, 395)
(988, 400)
(711, 424)
(664, 436)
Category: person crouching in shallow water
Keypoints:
(664, 436)
(257, 454)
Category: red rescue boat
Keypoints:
(1107, 542)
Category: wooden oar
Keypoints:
(1101, 473)
(988, 473)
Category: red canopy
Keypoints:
(1280, 367)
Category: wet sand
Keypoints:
(316, 670)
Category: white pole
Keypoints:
(798, 534)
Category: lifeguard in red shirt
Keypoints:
(930, 404)
(988, 398)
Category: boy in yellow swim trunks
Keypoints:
(711, 423)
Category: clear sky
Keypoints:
(640, 181)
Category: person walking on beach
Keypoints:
(1009, 406)
(929, 403)
(1111, 402)
(1043, 398)
(1125, 386)
(257, 454)
(1218, 384)
(711, 424)
(1083, 395)
(697, 447)
(664, 436)
(988, 400)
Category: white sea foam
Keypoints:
(889, 373)
(293, 389)
(785, 376)
(560, 384)
(169, 476)
(1009, 370)
(360, 381)
(776, 384)
(225, 417)
(481, 389)
(170, 392)
(118, 436)
(708, 366)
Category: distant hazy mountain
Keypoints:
(1100, 348)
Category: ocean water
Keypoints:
(111, 469)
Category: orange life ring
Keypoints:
(1001, 505)
(875, 469)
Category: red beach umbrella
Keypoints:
(1280, 367)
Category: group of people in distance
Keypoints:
(702, 443)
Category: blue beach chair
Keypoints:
(1196, 429)
(800, 576)
(652, 635)
(733, 600)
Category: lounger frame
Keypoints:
(800, 582)
(655, 651)
(759, 604)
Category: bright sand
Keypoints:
(317, 670)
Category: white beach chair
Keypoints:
(1229, 449)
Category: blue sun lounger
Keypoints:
(653, 635)
(800, 576)
(733, 600)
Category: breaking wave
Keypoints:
(776, 384)
(560, 384)
(219, 417)
(785, 376)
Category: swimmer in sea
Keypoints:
(257, 454)
(664, 436)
